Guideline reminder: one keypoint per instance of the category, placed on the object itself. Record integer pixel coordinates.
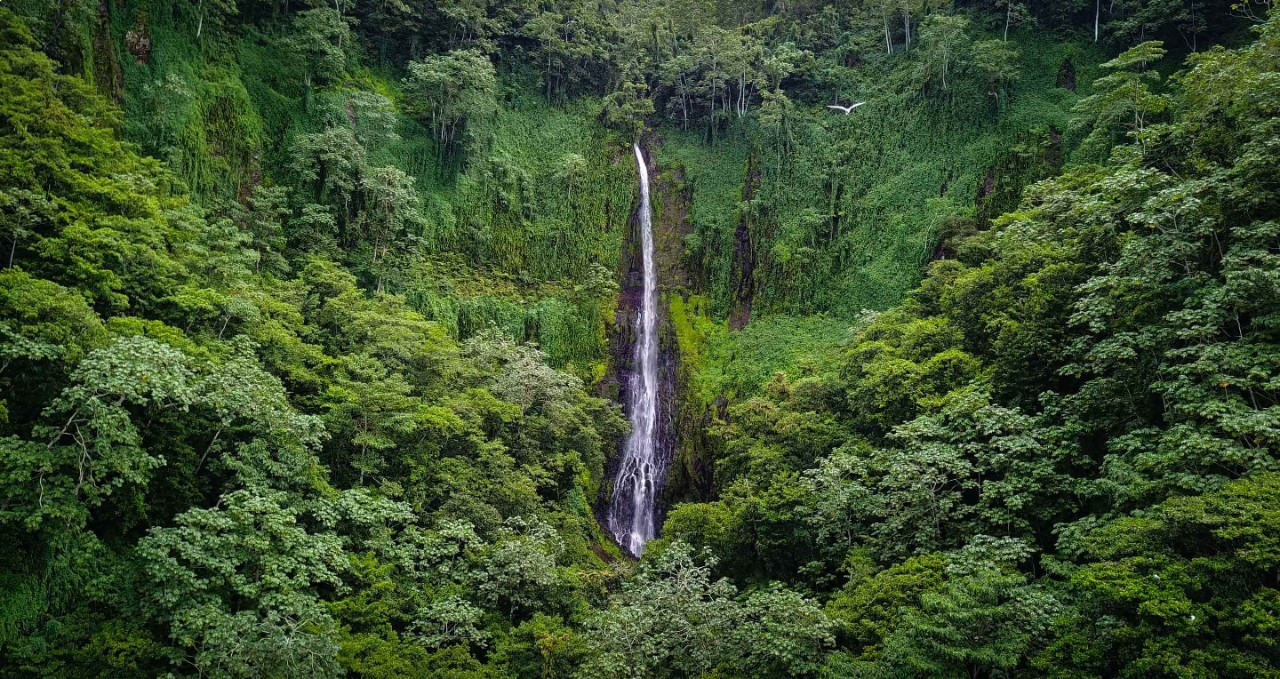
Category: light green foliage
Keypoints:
(91, 447)
(1124, 98)
(981, 466)
(454, 95)
(901, 365)
(871, 606)
(520, 570)
(626, 109)
(945, 47)
(391, 208)
(235, 585)
(744, 362)
(377, 406)
(44, 321)
(301, 347)
(674, 620)
(333, 160)
(997, 62)
(448, 621)
(543, 646)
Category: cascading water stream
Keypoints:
(640, 475)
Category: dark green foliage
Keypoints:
(1187, 585)
(305, 311)
(1092, 380)
(169, 399)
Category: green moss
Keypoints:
(740, 365)
(695, 334)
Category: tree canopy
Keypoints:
(315, 322)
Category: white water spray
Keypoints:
(640, 475)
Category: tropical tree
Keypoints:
(316, 40)
(944, 48)
(453, 94)
(1124, 98)
(236, 588)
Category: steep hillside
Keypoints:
(319, 327)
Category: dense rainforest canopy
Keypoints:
(312, 318)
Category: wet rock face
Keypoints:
(622, 349)
(988, 185)
(107, 75)
(138, 39)
(681, 428)
(138, 42)
(744, 266)
(1067, 75)
(744, 257)
(1054, 156)
(645, 375)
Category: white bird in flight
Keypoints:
(847, 109)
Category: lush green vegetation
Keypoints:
(1057, 456)
(306, 313)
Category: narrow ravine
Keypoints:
(632, 510)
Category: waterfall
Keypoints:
(642, 470)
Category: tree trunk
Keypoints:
(1195, 32)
